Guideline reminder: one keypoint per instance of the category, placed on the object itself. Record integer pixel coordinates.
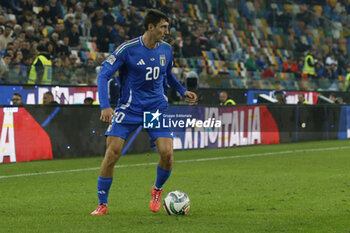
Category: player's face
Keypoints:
(161, 30)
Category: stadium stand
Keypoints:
(224, 36)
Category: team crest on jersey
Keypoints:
(162, 60)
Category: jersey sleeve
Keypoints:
(172, 81)
(109, 68)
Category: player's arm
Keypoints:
(110, 66)
(190, 96)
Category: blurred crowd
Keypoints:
(77, 36)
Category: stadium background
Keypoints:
(247, 48)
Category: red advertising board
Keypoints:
(21, 137)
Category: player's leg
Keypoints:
(165, 149)
(117, 133)
(166, 161)
(104, 182)
(112, 155)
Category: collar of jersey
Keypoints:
(141, 42)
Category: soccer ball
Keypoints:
(176, 203)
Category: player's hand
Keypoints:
(191, 97)
(107, 114)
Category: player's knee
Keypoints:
(112, 157)
(167, 156)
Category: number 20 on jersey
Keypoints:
(152, 73)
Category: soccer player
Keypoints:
(143, 63)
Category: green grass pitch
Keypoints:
(299, 187)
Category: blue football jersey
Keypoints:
(143, 73)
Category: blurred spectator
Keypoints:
(280, 97)
(121, 37)
(45, 16)
(331, 59)
(176, 44)
(135, 22)
(54, 40)
(332, 97)
(88, 101)
(196, 47)
(326, 72)
(339, 100)
(16, 76)
(319, 69)
(9, 49)
(56, 10)
(79, 12)
(122, 17)
(19, 60)
(41, 69)
(309, 66)
(187, 47)
(251, 64)
(112, 34)
(64, 49)
(25, 5)
(16, 31)
(335, 72)
(269, 72)
(75, 70)
(260, 60)
(224, 100)
(26, 18)
(289, 65)
(304, 15)
(240, 54)
(68, 21)
(214, 40)
(74, 37)
(59, 29)
(301, 99)
(17, 99)
(89, 73)
(85, 30)
(4, 67)
(103, 4)
(6, 38)
(48, 98)
(31, 35)
(100, 36)
(108, 17)
(58, 74)
(89, 9)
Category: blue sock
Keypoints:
(103, 185)
(162, 177)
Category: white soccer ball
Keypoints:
(176, 203)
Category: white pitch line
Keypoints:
(185, 161)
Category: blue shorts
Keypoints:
(126, 122)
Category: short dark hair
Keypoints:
(154, 16)
(17, 94)
(88, 100)
(49, 93)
